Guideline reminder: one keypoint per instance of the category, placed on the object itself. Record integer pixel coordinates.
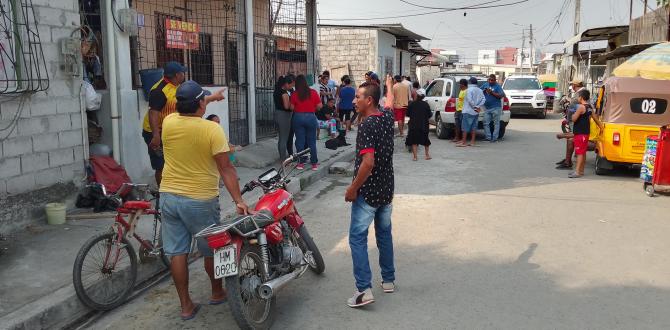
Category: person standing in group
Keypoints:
(408, 82)
(576, 86)
(474, 101)
(304, 103)
(415, 87)
(345, 107)
(419, 115)
(458, 115)
(371, 193)
(582, 129)
(283, 114)
(325, 92)
(196, 158)
(162, 102)
(400, 103)
(493, 94)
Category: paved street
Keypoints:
(486, 237)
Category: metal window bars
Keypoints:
(22, 65)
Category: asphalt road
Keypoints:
(487, 237)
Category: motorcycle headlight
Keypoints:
(540, 96)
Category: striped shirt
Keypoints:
(161, 98)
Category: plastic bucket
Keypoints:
(55, 213)
(148, 78)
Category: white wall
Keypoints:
(486, 57)
(385, 50)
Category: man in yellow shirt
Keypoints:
(458, 115)
(196, 156)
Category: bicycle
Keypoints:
(105, 269)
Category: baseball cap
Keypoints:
(576, 81)
(421, 92)
(172, 68)
(374, 76)
(190, 92)
(473, 81)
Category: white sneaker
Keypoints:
(360, 299)
(388, 287)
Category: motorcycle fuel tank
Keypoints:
(279, 202)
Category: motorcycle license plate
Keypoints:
(225, 263)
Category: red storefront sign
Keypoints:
(181, 35)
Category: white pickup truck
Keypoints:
(442, 94)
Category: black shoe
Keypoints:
(564, 166)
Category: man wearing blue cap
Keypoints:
(196, 157)
(162, 102)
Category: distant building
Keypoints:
(486, 57)
(506, 56)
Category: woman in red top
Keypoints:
(304, 103)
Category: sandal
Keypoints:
(195, 311)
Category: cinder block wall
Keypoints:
(43, 155)
(342, 46)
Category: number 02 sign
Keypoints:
(651, 106)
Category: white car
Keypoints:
(526, 96)
(442, 94)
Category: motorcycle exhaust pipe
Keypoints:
(271, 287)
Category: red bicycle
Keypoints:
(105, 269)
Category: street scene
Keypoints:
(274, 164)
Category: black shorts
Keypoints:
(157, 161)
(345, 114)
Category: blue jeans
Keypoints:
(492, 114)
(362, 215)
(305, 126)
(181, 218)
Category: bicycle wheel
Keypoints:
(98, 285)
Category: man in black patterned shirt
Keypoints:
(371, 193)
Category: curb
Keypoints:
(62, 307)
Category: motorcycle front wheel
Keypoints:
(249, 309)
(309, 248)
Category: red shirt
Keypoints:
(308, 105)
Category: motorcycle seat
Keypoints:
(137, 205)
(261, 219)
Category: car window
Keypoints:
(436, 89)
(521, 83)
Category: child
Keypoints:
(326, 117)
(419, 115)
(233, 148)
(581, 130)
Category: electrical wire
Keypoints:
(471, 7)
(427, 7)
(114, 16)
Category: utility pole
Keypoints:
(575, 47)
(630, 18)
(532, 52)
(523, 45)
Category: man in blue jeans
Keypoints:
(371, 193)
(494, 94)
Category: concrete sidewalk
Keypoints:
(36, 290)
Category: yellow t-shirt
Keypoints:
(461, 100)
(189, 146)
(163, 97)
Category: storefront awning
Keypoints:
(597, 34)
(625, 51)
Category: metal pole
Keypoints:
(631, 11)
(532, 45)
(110, 58)
(251, 68)
(523, 45)
(645, 7)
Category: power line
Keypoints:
(471, 7)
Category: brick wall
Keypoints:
(341, 46)
(45, 148)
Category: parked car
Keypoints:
(525, 95)
(442, 95)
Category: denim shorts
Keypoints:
(183, 217)
(157, 160)
(458, 118)
(469, 122)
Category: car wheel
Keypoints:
(441, 130)
(599, 168)
(501, 131)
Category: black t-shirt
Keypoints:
(583, 123)
(375, 134)
(279, 103)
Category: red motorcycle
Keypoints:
(259, 254)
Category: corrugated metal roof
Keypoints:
(597, 34)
